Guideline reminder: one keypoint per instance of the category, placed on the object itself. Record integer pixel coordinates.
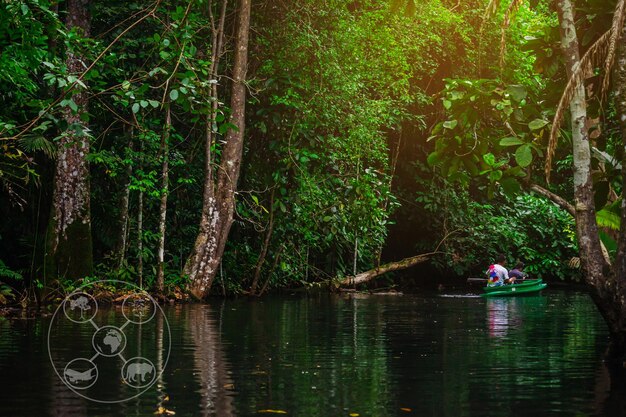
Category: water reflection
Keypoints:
(213, 375)
(502, 314)
(327, 356)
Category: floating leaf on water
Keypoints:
(165, 411)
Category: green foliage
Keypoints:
(6, 272)
(342, 95)
(524, 227)
(493, 133)
(7, 292)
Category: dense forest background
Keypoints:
(374, 130)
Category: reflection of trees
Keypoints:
(214, 376)
(311, 357)
(63, 401)
(544, 357)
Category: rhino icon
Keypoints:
(136, 372)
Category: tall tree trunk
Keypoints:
(122, 239)
(160, 279)
(266, 245)
(69, 244)
(586, 226)
(140, 238)
(219, 199)
(619, 291)
(597, 272)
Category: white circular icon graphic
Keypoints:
(108, 341)
(138, 372)
(80, 373)
(86, 343)
(80, 307)
(139, 308)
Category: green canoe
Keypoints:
(525, 287)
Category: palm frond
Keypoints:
(591, 59)
(600, 54)
(37, 143)
(608, 218)
(616, 30)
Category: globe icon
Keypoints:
(109, 341)
(110, 344)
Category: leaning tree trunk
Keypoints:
(586, 227)
(69, 245)
(597, 273)
(219, 199)
(619, 292)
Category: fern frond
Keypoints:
(37, 143)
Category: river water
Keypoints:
(324, 355)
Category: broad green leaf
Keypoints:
(433, 158)
(537, 124)
(447, 104)
(495, 175)
(135, 107)
(524, 156)
(450, 124)
(174, 95)
(489, 159)
(511, 141)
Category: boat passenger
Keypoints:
(517, 272)
(497, 274)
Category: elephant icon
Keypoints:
(137, 372)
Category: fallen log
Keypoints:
(383, 269)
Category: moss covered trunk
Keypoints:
(68, 243)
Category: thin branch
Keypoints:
(82, 75)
